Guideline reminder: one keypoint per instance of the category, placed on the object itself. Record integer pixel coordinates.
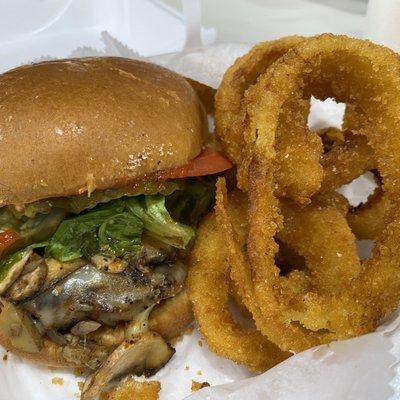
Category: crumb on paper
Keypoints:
(57, 381)
(5, 357)
(200, 343)
(137, 390)
(199, 372)
(187, 368)
(199, 385)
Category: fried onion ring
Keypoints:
(346, 161)
(313, 68)
(208, 285)
(368, 220)
(295, 144)
(285, 243)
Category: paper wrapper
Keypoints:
(357, 369)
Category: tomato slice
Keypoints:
(7, 239)
(208, 162)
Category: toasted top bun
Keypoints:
(73, 126)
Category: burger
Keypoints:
(105, 173)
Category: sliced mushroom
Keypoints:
(12, 268)
(172, 316)
(19, 328)
(139, 325)
(28, 284)
(142, 355)
(34, 261)
(106, 298)
(57, 270)
(109, 336)
(114, 336)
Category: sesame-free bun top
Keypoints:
(72, 126)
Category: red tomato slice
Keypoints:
(208, 162)
(7, 239)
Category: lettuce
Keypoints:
(120, 234)
(78, 236)
(10, 260)
(31, 230)
(158, 223)
(113, 220)
(192, 203)
(116, 228)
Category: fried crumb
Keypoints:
(5, 357)
(199, 385)
(79, 372)
(53, 369)
(57, 381)
(131, 389)
(199, 372)
(200, 343)
(80, 385)
(189, 330)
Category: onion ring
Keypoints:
(324, 292)
(295, 144)
(208, 286)
(346, 161)
(313, 69)
(368, 220)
